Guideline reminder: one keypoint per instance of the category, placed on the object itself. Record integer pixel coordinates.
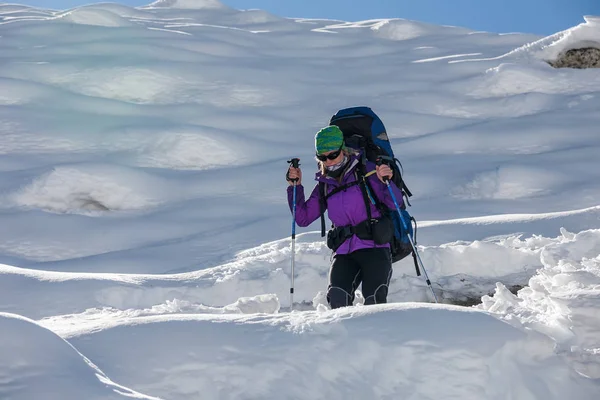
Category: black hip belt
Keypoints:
(379, 230)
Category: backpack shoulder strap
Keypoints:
(361, 177)
(340, 189)
(322, 202)
(371, 197)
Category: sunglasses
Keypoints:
(330, 156)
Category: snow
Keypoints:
(561, 300)
(312, 355)
(146, 250)
(37, 363)
(188, 4)
(583, 35)
(98, 17)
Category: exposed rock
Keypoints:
(588, 57)
(91, 204)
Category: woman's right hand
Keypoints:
(294, 176)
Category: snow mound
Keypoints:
(514, 78)
(188, 150)
(13, 92)
(11, 8)
(336, 354)
(188, 4)
(144, 85)
(581, 36)
(579, 45)
(97, 17)
(119, 9)
(98, 318)
(551, 48)
(514, 182)
(253, 17)
(592, 20)
(265, 269)
(561, 300)
(266, 303)
(130, 84)
(36, 362)
(400, 29)
(88, 189)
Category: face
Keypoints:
(335, 160)
(326, 157)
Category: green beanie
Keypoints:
(329, 138)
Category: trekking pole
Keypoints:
(295, 163)
(387, 182)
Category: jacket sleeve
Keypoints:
(383, 193)
(307, 211)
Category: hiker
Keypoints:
(361, 249)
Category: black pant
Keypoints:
(372, 267)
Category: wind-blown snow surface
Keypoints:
(145, 246)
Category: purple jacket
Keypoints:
(346, 207)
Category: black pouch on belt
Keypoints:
(382, 229)
(338, 235)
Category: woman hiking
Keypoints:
(360, 234)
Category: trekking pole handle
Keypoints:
(380, 161)
(295, 163)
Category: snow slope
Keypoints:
(146, 235)
(37, 364)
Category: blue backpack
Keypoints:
(364, 130)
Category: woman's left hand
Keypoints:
(384, 171)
